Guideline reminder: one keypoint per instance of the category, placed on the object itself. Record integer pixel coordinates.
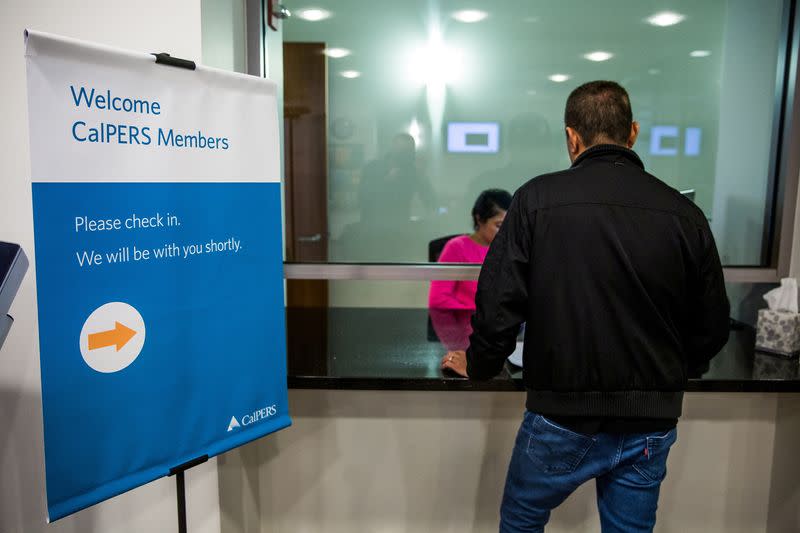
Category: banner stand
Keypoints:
(180, 486)
(164, 58)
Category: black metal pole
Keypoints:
(180, 486)
(181, 490)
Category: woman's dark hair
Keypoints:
(490, 203)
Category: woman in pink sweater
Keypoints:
(487, 216)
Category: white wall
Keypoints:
(147, 25)
(224, 34)
(784, 505)
(393, 462)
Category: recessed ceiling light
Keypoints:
(665, 18)
(599, 55)
(558, 78)
(313, 14)
(350, 74)
(700, 53)
(470, 15)
(336, 53)
(531, 92)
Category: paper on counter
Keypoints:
(516, 357)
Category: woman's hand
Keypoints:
(456, 361)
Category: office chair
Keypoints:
(436, 246)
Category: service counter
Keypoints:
(400, 349)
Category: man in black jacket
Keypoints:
(618, 279)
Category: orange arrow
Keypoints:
(118, 336)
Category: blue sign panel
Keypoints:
(158, 265)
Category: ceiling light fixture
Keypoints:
(700, 53)
(469, 16)
(558, 78)
(336, 53)
(665, 18)
(598, 55)
(314, 14)
(350, 74)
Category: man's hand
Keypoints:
(456, 361)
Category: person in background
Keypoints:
(389, 185)
(619, 280)
(487, 217)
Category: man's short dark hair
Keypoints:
(600, 111)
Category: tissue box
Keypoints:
(778, 332)
(767, 366)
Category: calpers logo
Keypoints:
(255, 416)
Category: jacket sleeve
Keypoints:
(502, 295)
(709, 325)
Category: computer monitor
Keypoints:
(13, 265)
(473, 137)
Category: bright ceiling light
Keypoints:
(598, 55)
(558, 78)
(313, 14)
(350, 74)
(665, 18)
(436, 64)
(336, 53)
(470, 15)
(700, 53)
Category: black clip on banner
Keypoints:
(165, 59)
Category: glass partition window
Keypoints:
(428, 103)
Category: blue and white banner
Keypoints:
(157, 216)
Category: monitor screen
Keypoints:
(8, 252)
(473, 137)
(13, 265)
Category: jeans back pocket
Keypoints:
(653, 465)
(556, 450)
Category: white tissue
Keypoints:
(783, 298)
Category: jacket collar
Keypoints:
(613, 152)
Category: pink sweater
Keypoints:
(457, 294)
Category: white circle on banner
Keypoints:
(112, 337)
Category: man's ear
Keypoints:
(634, 134)
(574, 142)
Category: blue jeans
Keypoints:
(549, 462)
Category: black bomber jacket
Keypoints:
(619, 282)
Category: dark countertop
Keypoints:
(400, 349)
